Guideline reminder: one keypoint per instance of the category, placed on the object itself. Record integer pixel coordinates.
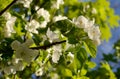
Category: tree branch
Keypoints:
(47, 46)
(14, 1)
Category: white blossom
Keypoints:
(9, 69)
(57, 4)
(36, 7)
(51, 35)
(8, 29)
(7, 15)
(70, 57)
(88, 6)
(59, 17)
(56, 53)
(92, 30)
(97, 41)
(43, 24)
(23, 52)
(32, 26)
(81, 22)
(94, 33)
(89, 25)
(94, 11)
(55, 76)
(15, 44)
(26, 3)
(18, 64)
(39, 72)
(56, 56)
(0, 57)
(44, 13)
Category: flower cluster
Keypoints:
(56, 49)
(23, 52)
(32, 26)
(56, 53)
(13, 66)
(23, 55)
(8, 29)
(89, 27)
(45, 14)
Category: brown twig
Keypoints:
(14, 1)
(48, 46)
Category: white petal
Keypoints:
(58, 18)
(15, 44)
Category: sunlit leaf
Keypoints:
(90, 48)
(90, 64)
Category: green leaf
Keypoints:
(75, 65)
(90, 48)
(4, 3)
(46, 42)
(90, 64)
(83, 72)
(64, 25)
(81, 55)
(105, 33)
(18, 27)
(67, 73)
(72, 40)
(37, 38)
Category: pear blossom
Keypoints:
(0, 57)
(7, 15)
(94, 11)
(32, 26)
(71, 56)
(58, 18)
(36, 7)
(56, 53)
(94, 33)
(18, 64)
(57, 4)
(92, 30)
(51, 35)
(81, 22)
(89, 25)
(9, 69)
(88, 6)
(26, 3)
(97, 41)
(23, 52)
(8, 29)
(45, 14)
(43, 24)
(55, 76)
(85, 8)
(39, 72)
